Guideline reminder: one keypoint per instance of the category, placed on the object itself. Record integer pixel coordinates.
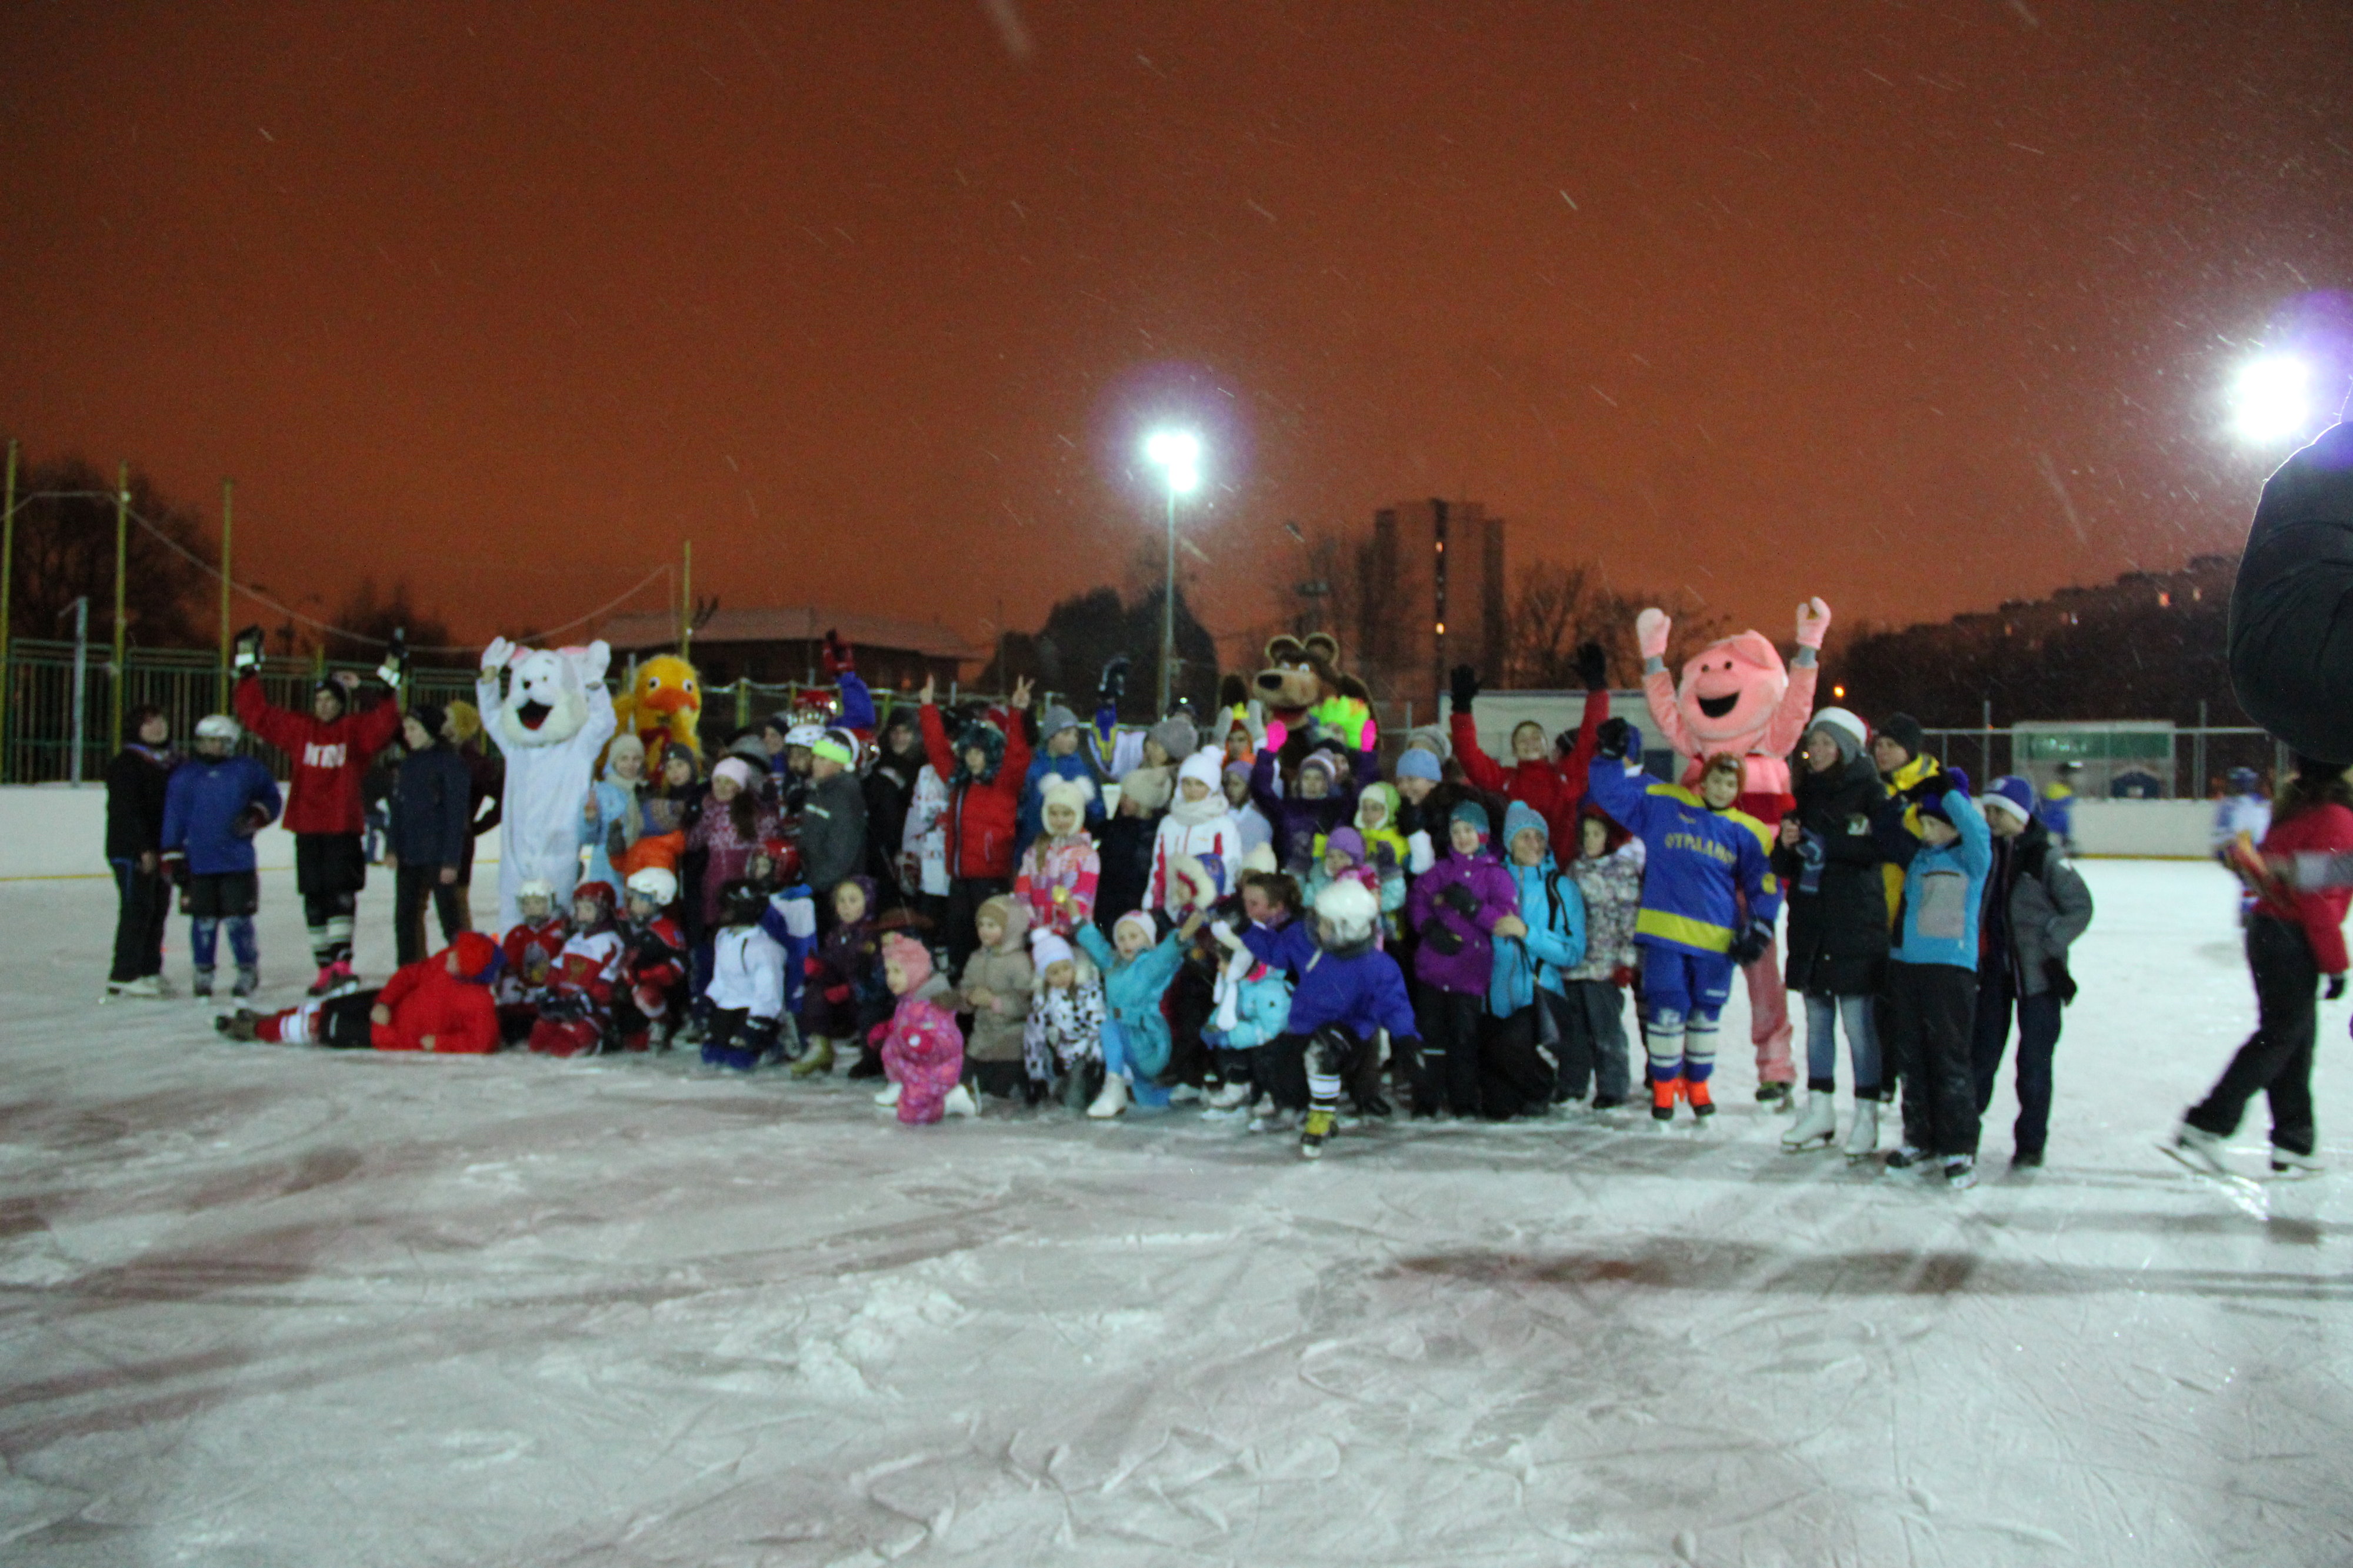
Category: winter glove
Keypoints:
(1813, 624)
(1592, 667)
(1460, 898)
(1419, 855)
(250, 821)
(1623, 976)
(2335, 991)
(2063, 984)
(1440, 938)
(1462, 687)
(1652, 630)
(247, 658)
(1113, 686)
(617, 841)
(395, 667)
(1618, 739)
(1750, 944)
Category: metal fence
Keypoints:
(2189, 761)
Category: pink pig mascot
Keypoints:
(1737, 697)
(923, 1050)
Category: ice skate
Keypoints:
(888, 1095)
(2199, 1150)
(817, 1059)
(1229, 1096)
(1904, 1156)
(1663, 1091)
(2287, 1166)
(1816, 1128)
(1702, 1103)
(960, 1101)
(1960, 1172)
(323, 983)
(1315, 1134)
(240, 1024)
(202, 985)
(1863, 1136)
(1775, 1095)
(1186, 1094)
(145, 987)
(1274, 1118)
(1111, 1101)
(248, 980)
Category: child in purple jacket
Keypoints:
(1457, 907)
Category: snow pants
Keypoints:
(143, 905)
(1929, 1009)
(330, 869)
(2276, 1060)
(735, 1039)
(1768, 1017)
(2038, 1036)
(1119, 1061)
(1443, 1065)
(1593, 1040)
(1683, 994)
(1860, 1014)
(1520, 1061)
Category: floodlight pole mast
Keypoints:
(1168, 606)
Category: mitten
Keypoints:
(1462, 687)
(1441, 939)
(1651, 629)
(1611, 739)
(1592, 666)
(249, 651)
(1813, 624)
(1750, 944)
(395, 667)
(1460, 898)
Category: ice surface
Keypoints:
(268, 1305)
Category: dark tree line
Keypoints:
(1066, 655)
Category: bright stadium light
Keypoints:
(2272, 400)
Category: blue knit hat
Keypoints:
(1416, 764)
(1472, 811)
(1519, 818)
(2011, 794)
(1954, 779)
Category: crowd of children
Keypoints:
(1278, 927)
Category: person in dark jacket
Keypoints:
(431, 823)
(216, 802)
(833, 818)
(2036, 906)
(486, 774)
(135, 780)
(2292, 606)
(889, 789)
(1830, 866)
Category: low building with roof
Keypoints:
(777, 645)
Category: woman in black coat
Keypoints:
(1830, 872)
(432, 824)
(134, 845)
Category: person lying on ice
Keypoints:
(440, 1003)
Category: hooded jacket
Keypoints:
(210, 811)
(1612, 890)
(456, 1010)
(1192, 829)
(1944, 885)
(1553, 907)
(983, 814)
(1837, 892)
(1005, 973)
(1492, 895)
(1355, 986)
(922, 1050)
(2045, 907)
(1133, 988)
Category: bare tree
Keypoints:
(1556, 607)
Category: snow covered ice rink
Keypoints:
(271, 1305)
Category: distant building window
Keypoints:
(2165, 601)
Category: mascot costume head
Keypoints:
(551, 721)
(1302, 684)
(1736, 698)
(663, 708)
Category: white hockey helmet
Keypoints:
(535, 888)
(219, 727)
(804, 735)
(653, 883)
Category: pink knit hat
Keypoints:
(913, 959)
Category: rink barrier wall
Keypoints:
(55, 830)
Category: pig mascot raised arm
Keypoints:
(1737, 696)
(551, 721)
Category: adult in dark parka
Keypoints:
(2291, 609)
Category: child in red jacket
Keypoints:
(579, 1000)
(532, 949)
(440, 1003)
(2294, 938)
(985, 769)
(329, 749)
(1549, 777)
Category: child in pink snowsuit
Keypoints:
(923, 1050)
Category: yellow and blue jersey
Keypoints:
(1700, 862)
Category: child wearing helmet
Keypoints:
(654, 962)
(532, 949)
(579, 1003)
(213, 805)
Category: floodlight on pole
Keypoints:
(1178, 455)
(2272, 400)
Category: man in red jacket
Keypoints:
(985, 772)
(1551, 786)
(439, 1004)
(329, 749)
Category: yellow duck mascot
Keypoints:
(663, 708)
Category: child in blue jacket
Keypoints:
(213, 805)
(1136, 1039)
(1932, 970)
(1525, 993)
(1703, 859)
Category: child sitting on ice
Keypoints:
(578, 1002)
(845, 996)
(995, 989)
(1062, 1039)
(1060, 869)
(746, 995)
(530, 950)
(921, 1047)
(1136, 971)
(1251, 1011)
(654, 962)
(440, 1003)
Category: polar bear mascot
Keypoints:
(552, 721)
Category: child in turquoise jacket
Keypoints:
(1136, 973)
(1932, 972)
